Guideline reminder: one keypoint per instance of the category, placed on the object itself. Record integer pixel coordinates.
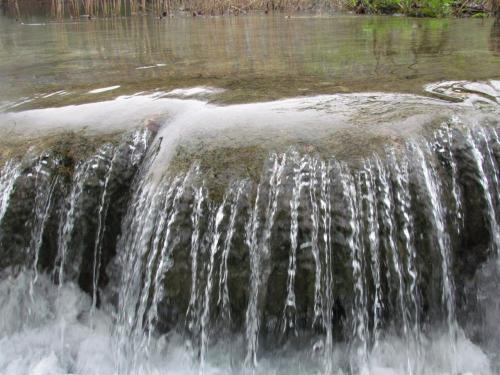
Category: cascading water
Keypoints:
(316, 266)
(8, 177)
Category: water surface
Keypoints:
(44, 63)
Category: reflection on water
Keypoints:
(254, 57)
(495, 37)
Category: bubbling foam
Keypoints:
(51, 332)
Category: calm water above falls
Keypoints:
(169, 224)
(255, 57)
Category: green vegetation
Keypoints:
(166, 8)
(424, 8)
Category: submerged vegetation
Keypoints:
(167, 8)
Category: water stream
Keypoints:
(338, 266)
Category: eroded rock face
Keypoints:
(60, 209)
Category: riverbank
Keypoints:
(199, 8)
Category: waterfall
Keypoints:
(316, 262)
(372, 233)
(402, 198)
(315, 222)
(258, 251)
(298, 185)
(359, 309)
(215, 238)
(68, 217)
(8, 177)
(223, 299)
(192, 314)
(325, 213)
(488, 192)
(45, 186)
(101, 216)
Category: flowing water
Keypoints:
(334, 264)
(147, 229)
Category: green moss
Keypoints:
(69, 146)
(221, 165)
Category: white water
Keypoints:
(373, 242)
(315, 249)
(101, 217)
(259, 251)
(359, 360)
(326, 220)
(31, 345)
(8, 176)
(216, 235)
(223, 299)
(298, 185)
(489, 188)
(193, 310)
(44, 186)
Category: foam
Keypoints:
(51, 332)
